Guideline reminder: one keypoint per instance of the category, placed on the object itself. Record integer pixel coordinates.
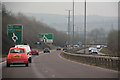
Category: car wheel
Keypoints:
(8, 65)
(30, 60)
(26, 64)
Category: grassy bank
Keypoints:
(108, 52)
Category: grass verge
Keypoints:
(108, 52)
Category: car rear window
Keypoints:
(95, 50)
(17, 51)
(46, 49)
(34, 49)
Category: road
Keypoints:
(87, 51)
(51, 65)
(82, 51)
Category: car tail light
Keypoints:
(9, 57)
(23, 57)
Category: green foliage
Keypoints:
(97, 36)
(112, 41)
(6, 18)
(108, 52)
(105, 51)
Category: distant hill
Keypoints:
(59, 22)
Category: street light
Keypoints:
(69, 26)
(85, 28)
(73, 23)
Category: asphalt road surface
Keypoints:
(51, 65)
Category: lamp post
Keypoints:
(73, 23)
(68, 26)
(85, 28)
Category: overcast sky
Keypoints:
(93, 8)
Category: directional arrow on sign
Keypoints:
(44, 39)
(15, 33)
(14, 38)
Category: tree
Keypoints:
(98, 35)
(112, 41)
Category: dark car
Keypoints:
(58, 49)
(46, 50)
(34, 52)
(65, 48)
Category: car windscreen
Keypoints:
(17, 51)
(95, 50)
(34, 49)
(46, 49)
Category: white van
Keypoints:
(28, 50)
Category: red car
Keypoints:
(34, 52)
(17, 56)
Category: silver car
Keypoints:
(94, 51)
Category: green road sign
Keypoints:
(46, 37)
(15, 33)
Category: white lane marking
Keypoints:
(46, 71)
(37, 73)
(86, 64)
(53, 76)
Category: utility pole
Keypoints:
(112, 27)
(73, 24)
(85, 28)
(68, 26)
